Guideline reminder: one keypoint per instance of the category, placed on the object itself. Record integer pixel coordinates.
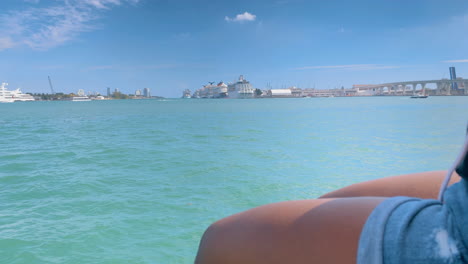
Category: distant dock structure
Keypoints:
(452, 86)
(455, 86)
(443, 87)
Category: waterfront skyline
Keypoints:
(170, 46)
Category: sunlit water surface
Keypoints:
(138, 181)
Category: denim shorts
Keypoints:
(411, 230)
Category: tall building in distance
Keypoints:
(108, 92)
(138, 92)
(453, 76)
(146, 92)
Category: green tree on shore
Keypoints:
(119, 95)
(258, 92)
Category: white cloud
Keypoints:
(452, 61)
(102, 4)
(245, 17)
(357, 67)
(48, 27)
(6, 43)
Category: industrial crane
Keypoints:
(51, 87)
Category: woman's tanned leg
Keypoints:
(325, 230)
(307, 231)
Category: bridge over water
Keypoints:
(444, 87)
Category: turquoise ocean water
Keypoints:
(138, 181)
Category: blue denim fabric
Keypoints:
(410, 230)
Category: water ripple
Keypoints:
(138, 182)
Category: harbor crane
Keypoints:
(51, 86)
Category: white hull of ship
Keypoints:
(6, 100)
(7, 96)
(80, 99)
(237, 95)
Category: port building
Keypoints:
(279, 93)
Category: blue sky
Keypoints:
(172, 45)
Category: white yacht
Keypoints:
(418, 96)
(241, 89)
(80, 99)
(13, 96)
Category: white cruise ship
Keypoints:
(186, 94)
(219, 90)
(13, 96)
(241, 89)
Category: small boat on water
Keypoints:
(419, 96)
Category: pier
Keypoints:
(443, 87)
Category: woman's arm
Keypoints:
(423, 185)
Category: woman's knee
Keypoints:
(289, 232)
